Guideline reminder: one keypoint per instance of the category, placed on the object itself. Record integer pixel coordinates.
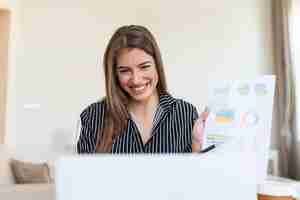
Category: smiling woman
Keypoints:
(138, 115)
(136, 72)
(138, 77)
(4, 35)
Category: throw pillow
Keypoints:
(27, 172)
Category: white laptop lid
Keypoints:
(209, 176)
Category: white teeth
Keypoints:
(139, 88)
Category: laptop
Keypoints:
(208, 176)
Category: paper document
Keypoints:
(241, 111)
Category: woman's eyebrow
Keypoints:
(143, 63)
(122, 66)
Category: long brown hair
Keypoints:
(116, 101)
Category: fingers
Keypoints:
(204, 114)
(196, 148)
(198, 131)
(197, 135)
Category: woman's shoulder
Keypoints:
(93, 110)
(180, 102)
(184, 106)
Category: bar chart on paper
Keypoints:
(241, 115)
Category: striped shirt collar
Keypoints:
(165, 105)
(166, 101)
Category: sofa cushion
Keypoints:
(27, 172)
(6, 176)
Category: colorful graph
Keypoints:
(249, 119)
(260, 89)
(225, 116)
(243, 89)
(222, 91)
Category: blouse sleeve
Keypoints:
(91, 121)
(84, 144)
(195, 114)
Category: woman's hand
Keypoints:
(198, 131)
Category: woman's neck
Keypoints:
(145, 108)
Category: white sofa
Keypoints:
(12, 191)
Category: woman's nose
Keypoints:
(136, 77)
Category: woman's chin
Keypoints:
(144, 97)
(140, 98)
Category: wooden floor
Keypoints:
(4, 38)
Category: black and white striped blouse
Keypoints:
(171, 132)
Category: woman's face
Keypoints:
(137, 74)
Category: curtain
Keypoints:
(4, 43)
(285, 88)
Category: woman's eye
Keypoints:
(145, 66)
(124, 71)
